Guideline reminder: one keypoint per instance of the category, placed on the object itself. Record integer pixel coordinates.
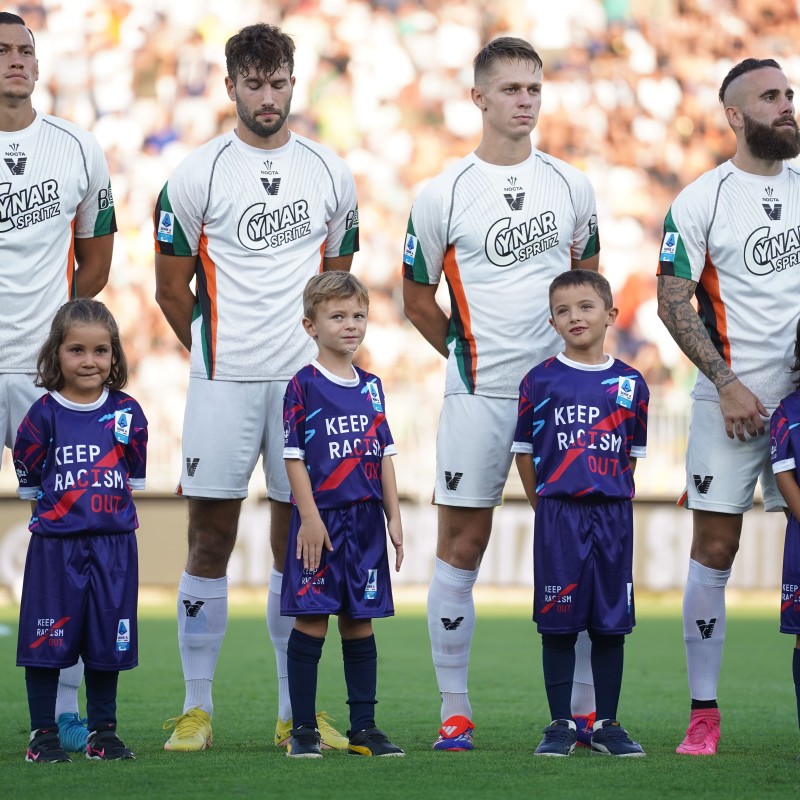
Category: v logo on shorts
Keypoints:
(702, 484)
(451, 480)
(191, 466)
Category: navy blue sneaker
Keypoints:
(45, 748)
(304, 742)
(611, 739)
(372, 742)
(560, 737)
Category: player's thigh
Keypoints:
(111, 640)
(721, 473)
(277, 481)
(612, 609)
(473, 450)
(17, 394)
(223, 430)
(55, 591)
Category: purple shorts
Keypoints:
(354, 579)
(79, 597)
(582, 566)
(790, 583)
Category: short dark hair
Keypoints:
(505, 48)
(261, 49)
(7, 18)
(329, 285)
(82, 311)
(583, 277)
(748, 65)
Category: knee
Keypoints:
(209, 552)
(715, 552)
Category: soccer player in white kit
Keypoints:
(57, 229)
(732, 241)
(500, 224)
(250, 217)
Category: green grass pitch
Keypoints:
(757, 757)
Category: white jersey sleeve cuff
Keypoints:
(778, 466)
(521, 447)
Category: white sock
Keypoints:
(704, 628)
(583, 702)
(202, 620)
(279, 630)
(69, 681)
(451, 622)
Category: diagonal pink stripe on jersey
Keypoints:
(349, 464)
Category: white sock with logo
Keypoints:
(69, 681)
(583, 702)
(704, 628)
(202, 620)
(451, 622)
(280, 628)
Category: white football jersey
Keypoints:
(737, 235)
(54, 188)
(260, 223)
(500, 235)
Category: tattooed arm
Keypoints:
(740, 408)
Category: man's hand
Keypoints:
(742, 411)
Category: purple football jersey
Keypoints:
(784, 448)
(582, 424)
(80, 463)
(338, 427)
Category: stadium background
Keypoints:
(630, 97)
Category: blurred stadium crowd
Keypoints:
(630, 97)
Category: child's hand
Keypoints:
(311, 538)
(395, 529)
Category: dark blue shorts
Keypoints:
(790, 583)
(354, 579)
(582, 566)
(79, 597)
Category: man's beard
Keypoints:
(262, 128)
(771, 142)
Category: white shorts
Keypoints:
(721, 473)
(473, 450)
(227, 425)
(17, 395)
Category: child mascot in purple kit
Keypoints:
(582, 425)
(338, 448)
(79, 452)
